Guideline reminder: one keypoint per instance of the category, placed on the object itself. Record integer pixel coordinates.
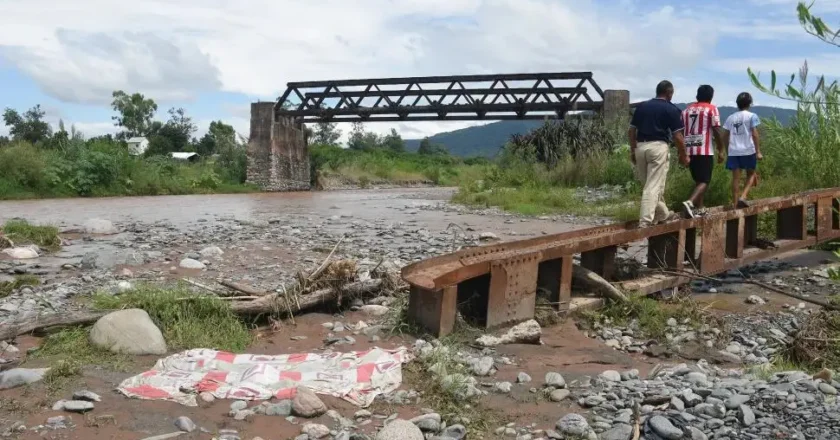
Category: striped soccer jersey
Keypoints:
(699, 119)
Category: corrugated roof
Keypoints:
(136, 140)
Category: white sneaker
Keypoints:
(688, 208)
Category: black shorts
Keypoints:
(701, 168)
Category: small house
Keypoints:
(189, 157)
(137, 145)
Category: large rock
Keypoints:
(400, 430)
(307, 404)
(618, 432)
(528, 332)
(99, 226)
(21, 376)
(22, 252)
(315, 431)
(128, 331)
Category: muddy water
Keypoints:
(184, 211)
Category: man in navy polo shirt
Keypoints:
(655, 123)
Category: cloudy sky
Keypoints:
(215, 57)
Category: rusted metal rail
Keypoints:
(497, 284)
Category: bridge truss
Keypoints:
(442, 98)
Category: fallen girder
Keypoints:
(497, 284)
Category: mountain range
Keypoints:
(486, 140)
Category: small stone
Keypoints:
(827, 389)
(374, 310)
(671, 322)
(400, 430)
(428, 422)
(573, 425)
(79, 406)
(315, 431)
(523, 378)
(610, 376)
(746, 415)
(503, 387)
(206, 397)
(185, 424)
(559, 395)
(454, 432)
(554, 380)
(86, 395)
(665, 428)
(756, 300)
(282, 408)
(189, 263)
(618, 432)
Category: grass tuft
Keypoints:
(22, 232)
(7, 287)
(186, 319)
(651, 315)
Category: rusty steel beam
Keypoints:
(518, 269)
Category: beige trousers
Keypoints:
(652, 160)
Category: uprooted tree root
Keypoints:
(817, 344)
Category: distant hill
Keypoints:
(486, 140)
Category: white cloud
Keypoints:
(81, 51)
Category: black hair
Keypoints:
(705, 93)
(664, 87)
(744, 101)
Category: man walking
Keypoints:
(702, 121)
(654, 124)
(744, 148)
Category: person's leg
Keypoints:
(736, 185)
(647, 206)
(751, 178)
(657, 177)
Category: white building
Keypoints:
(191, 157)
(137, 145)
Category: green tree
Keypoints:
(823, 93)
(427, 148)
(174, 135)
(29, 127)
(218, 136)
(362, 140)
(394, 142)
(326, 133)
(4, 140)
(136, 114)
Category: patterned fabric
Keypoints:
(700, 119)
(357, 377)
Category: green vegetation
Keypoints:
(20, 232)
(331, 164)
(68, 351)
(39, 163)
(6, 287)
(187, 320)
(651, 315)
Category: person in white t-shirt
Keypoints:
(744, 148)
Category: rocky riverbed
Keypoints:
(597, 381)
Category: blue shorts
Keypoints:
(741, 162)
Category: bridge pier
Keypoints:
(616, 104)
(278, 157)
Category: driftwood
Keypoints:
(248, 290)
(282, 304)
(317, 273)
(276, 303)
(63, 319)
(594, 281)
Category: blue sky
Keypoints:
(215, 57)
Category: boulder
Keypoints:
(128, 331)
(307, 404)
(21, 376)
(22, 252)
(400, 430)
(99, 226)
(212, 251)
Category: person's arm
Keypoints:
(714, 122)
(631, 134)
(677, 128)
(755, 123)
